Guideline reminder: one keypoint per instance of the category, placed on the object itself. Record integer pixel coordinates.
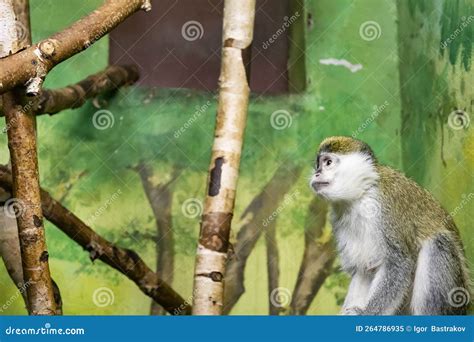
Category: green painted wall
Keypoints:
(365, 103)
(438, 96)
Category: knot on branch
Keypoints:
(47, 48)
(215, 276)
(146, 6)
(95, 250)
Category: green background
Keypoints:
(419, 83)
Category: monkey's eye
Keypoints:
(328, 162)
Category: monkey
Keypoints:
(401, 248)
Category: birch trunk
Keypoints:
(224, 169)
(20, 124)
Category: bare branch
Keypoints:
(21, 131)
(53, 101)
(124, 260)
(31, 65)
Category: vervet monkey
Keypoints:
(400, 246)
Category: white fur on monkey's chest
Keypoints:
(358, 235)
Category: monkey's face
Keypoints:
(343, 177)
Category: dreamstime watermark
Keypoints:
(286, 201)
(46, 330)
(27, 108)
(458, 119)
(14, 297)
(287, 22)
(280, 297)
(183, 306)
(196, 115)
(192, 208)
(459, 297)
(464, 201)
(15, 207)
(192, 30)
(21, 31)
(112, 198)
(281, 119)
(465, 22)
(375, 113)
(370, 208)
(370, 30)
(103, 119)
(118, 17)
(103, 296)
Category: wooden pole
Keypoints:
(224, 169)
(20, 124)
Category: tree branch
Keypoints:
(73, 96)
(30, 66)
(21, 132)
(123, 260)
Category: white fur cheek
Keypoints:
(354, 175)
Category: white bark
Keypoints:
(224, 169)
(8, 29)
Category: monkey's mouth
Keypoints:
(318, 185)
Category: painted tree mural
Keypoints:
(128, 191)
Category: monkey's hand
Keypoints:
(352, 311)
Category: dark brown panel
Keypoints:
(170, 56)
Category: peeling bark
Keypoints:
(55, 100)
(21, 123)
(160, 197)
(317, 260)
(260, 209)
(30, 66)
(224, 170)
(123, 260)
(273, 268)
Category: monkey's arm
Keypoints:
(357, 293)
(390, 286)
